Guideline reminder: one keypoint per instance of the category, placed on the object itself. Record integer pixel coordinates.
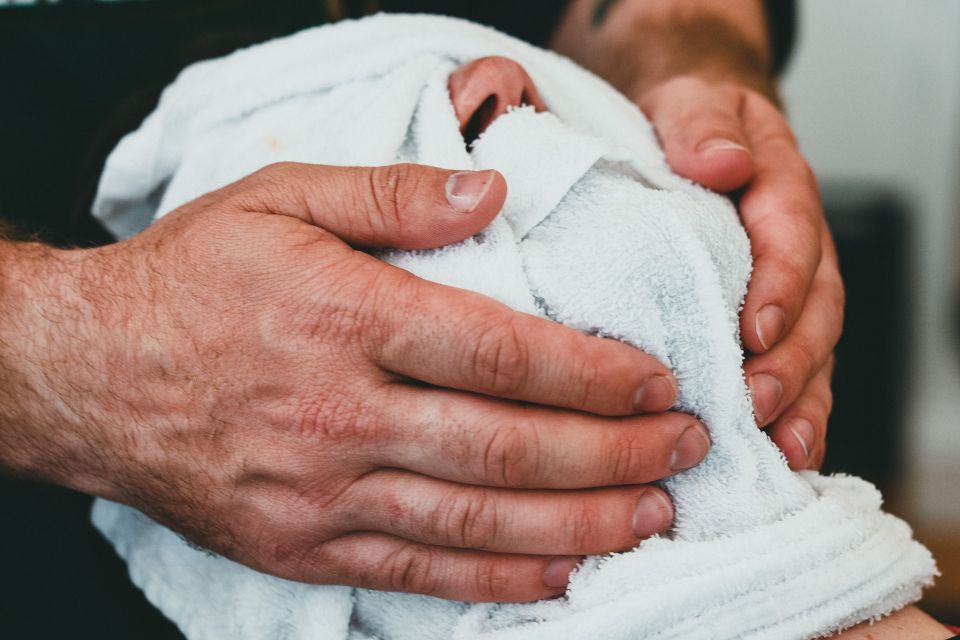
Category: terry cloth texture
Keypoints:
(597, 233)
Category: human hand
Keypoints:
(243, 375)
(728, 137)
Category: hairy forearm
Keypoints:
(40, 437)
(636, 44)
(19, 392)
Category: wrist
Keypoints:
(640, 44)
(21, 394)
(42, 436)
(701, 44)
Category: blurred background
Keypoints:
(873, 92)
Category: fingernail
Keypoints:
(657, 393)
(804, 432)
(653, 514)
(720, 144)
(691, 448)
(769, 323)
(767, 392)
(557, 574)
(465, 189)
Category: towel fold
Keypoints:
(597, 233)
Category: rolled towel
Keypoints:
(597, 233)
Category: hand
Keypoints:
(244, 376)
(728, 137)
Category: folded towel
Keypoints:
(596, 233)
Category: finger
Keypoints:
(387, 563)
(405, 206)
(437, 512)
(801, 431)
(458, 339)
(701, 130)
(782, 214)
(777, 377)
(481, 441)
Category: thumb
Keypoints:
(701, 131)
(405, 206)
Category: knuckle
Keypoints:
(836, 301)
(303, 562)
(500, 360)
(265, 175)
(829, 367)
(826, 400)
(800, 364)
(720, 117)
(685, 85)
(409, 569)
(683, 81)
(736, 93)
(827, 404)
(799, 218)
(672, 101)
(490, 580)
(512, 456)
(276, 170)
(581, 523)
(334, 418)
(628, 459)
(704, 122)
(840, 298)
(391, 187)
(791, 277)
(476, 522)
(358, 308)
(273, 174)
(801, 221)
(776, 131)
(787, 223)
(344, 321)
(266, 188)
(591, 380)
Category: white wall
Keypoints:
(874, 93)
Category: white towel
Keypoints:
(596, 233)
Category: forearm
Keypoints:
(19, 393)
(636, 44)
(39, 436)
